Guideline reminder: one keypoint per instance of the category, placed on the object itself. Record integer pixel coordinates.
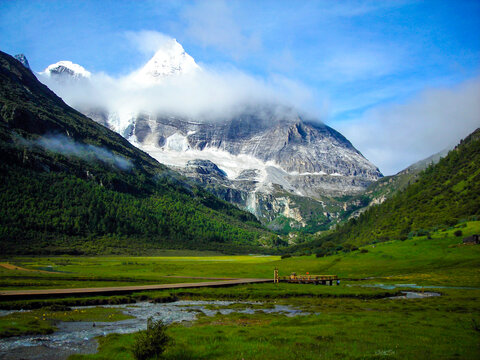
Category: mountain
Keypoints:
(439, 197)
(66, 69)
(23, 59)
(169, 60)
(70, 185)
(270, 159)
(274, 161)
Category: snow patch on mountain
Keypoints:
(177, 152)
(66, 68)
(177, 142)
(169, 60)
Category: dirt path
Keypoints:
(11, 294)
(15, 267)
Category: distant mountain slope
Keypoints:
(384, 188)
(442, 195)
(68, 184)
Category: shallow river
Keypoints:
(79, 337)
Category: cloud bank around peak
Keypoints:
(212, 93)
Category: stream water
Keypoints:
(415, 286)
(79, 337)
(414, 295)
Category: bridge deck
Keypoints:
(15, 294)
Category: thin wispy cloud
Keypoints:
(213, 24)
(63, 145)
(147, 41)
(358, 64)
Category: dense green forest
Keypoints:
(70, 185)
(442, 195)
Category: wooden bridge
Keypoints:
(306, 279)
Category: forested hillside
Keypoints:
(70, 185)
(441, 195)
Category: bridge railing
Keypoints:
(308, 278)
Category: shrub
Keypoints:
(285, 256)
(363, 251)
(349, 247)
(58, 307)
(458, 233)
(423, 232)
(151, 343)
(451, 222)
(165, 299)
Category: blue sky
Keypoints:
(361, 62)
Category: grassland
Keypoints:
(350, 321)
(437, 259)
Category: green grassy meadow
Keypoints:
(350, 321)
(438, 260)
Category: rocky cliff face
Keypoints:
(275, 167)
(303, 157)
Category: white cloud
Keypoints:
(212, 23)
(395, 136)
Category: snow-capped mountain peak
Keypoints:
(169, 60)
(66, 68)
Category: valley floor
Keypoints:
(356, 320)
